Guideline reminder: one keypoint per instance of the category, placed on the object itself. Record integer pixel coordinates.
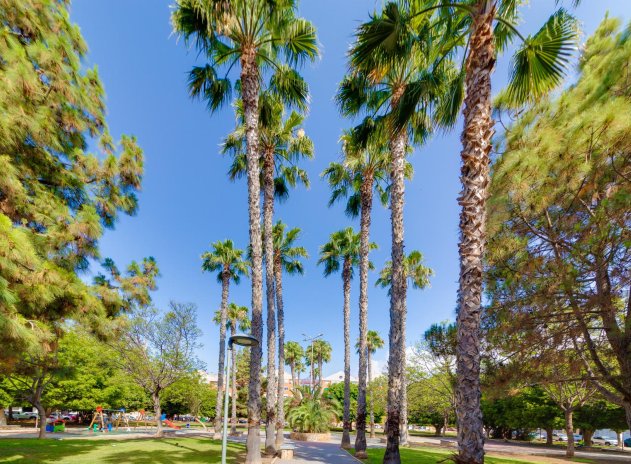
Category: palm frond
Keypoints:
(290, 87)
(204, 84)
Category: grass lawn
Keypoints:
(145, 451)
(432, 456)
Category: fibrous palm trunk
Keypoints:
(233, 361)
(396, 359)
(476, 146)
(364, 248)
(268, 217)
(225, 286)
(346, 280)
(250, 94)
(403, 439)
(370, 399)
(280, 417)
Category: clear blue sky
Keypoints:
(187, 201)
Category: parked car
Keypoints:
(627, 442)
(603, 440)
(29, 415)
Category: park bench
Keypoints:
(286, 451)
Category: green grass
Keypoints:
(432, 456)
(144, 451)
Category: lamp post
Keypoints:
(312, 339)
(241, 340)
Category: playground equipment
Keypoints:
(97, 417)
(104, 420)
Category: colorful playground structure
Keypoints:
(108, 420)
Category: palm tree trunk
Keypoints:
(403, 439)
(346, 279)
(320, 373)
(476, 146)
(370, 399)
(233, 360)
(396, 359)
(364, 247)
(294, 381)
(280, 416)
(225, 287)
(268, 217)
(250, 94)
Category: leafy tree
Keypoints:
(558, 249)
(337, 392)
(374, 343)
(311, 411)
(190, 395)
(287, 259)
(362, 171)
(343, 251)
(255, 35)
(156, 350)
(228, 261)
(318, 352)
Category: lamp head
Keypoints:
(242, 340)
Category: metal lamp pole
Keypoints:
(241, 340)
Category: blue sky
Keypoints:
(187, 201)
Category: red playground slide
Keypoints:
(168, 423)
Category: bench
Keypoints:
(286, 451)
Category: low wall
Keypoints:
(298, 436)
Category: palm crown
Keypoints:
(343, 245)
(373, 341)
(288, 255)
(268, 32)
(237, 317)
(227, 260)
(414, 270)
(293, 352)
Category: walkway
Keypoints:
(315, 452)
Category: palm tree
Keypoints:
(479, 30)
(342, 252)
(418, 274)
(293, 356)
(229, 263)
(362, 171)
(287, 258)
(283, 144)
(321, 350)
(237, 318)
(253, 34)
(374, 343)
(378, 86)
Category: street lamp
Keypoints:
(240, 340)
(311, 339)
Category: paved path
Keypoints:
(309, 451)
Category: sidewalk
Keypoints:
(315, 452)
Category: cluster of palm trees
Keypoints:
(313, 356)
(412, 66)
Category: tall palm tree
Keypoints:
(283, 143)
(237, 318)
(378, 86)
(229, 264)
(287, 258)
(342, 252)
(374, 343)
(253, 34)
(293, 356)
(322, 351)
(418, 274)
(479, 30)
(362, 171)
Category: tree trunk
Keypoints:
(587, 436)
(346, 418)
(396, 361)
(250, 95)
(225, 286)
(3, 417)
(476, 146)
(370, 398)
(549, 432)
(437, 429)
(268, 217)
(403, 439)
(569, 431)
(364, 249)
(37, 404)
(294, 380)
(280, 417)
(620, 439)
(320, 373)
(155, 396)
(233, 361)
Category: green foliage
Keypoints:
(190, 395)
(310, 411)
(226, 260)
(415, 271)
(336, 393)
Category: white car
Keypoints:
(603, 440)
(25, 415)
